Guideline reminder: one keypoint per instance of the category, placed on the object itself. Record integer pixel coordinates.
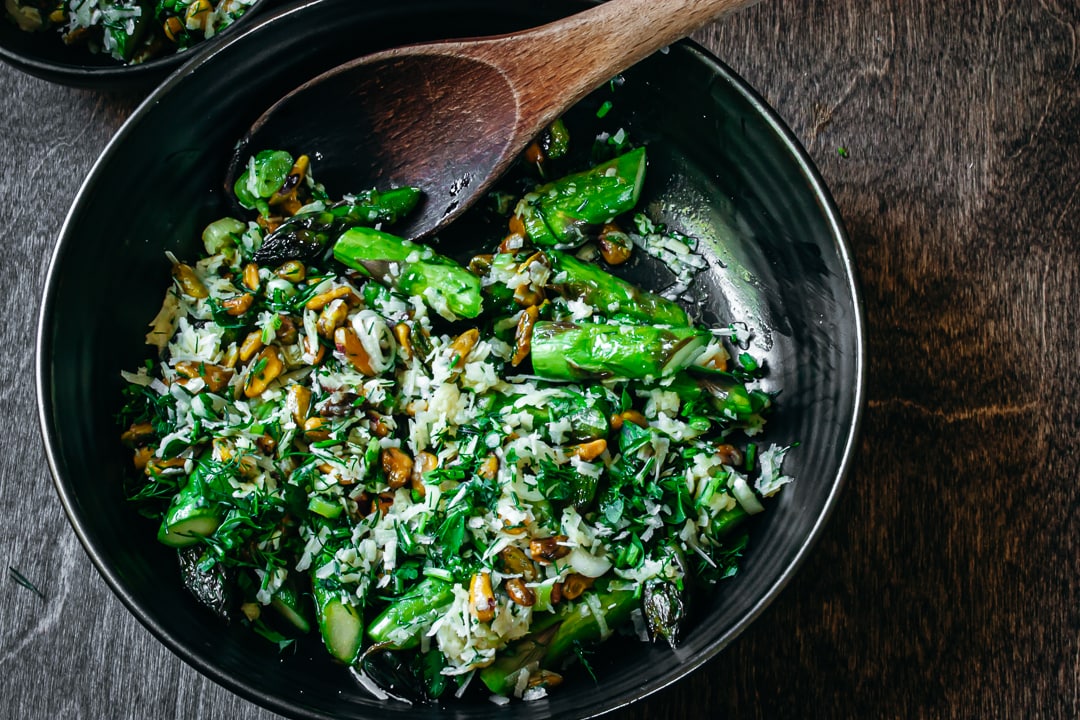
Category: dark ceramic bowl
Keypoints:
(723, 168)
(44, 55)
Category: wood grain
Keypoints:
(946, 584)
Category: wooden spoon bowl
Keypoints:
(449, 117)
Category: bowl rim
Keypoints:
(817, 188)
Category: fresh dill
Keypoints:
(21, 579)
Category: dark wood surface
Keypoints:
(946, 584)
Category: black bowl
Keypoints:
(723, 168)
(44, 55)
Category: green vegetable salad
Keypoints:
(131, 31)
(460, 471)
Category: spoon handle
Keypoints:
(555, 65)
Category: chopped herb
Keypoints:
(283, 642)
(21, 580)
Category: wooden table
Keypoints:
(947, 584)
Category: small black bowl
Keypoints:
(44, 55)
(723, 168)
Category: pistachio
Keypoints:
(316, 429)
(232, 356)
(517, 226)
(589, 451)
(519, 592)
(574, 585)
(298, 403)
(528, 293)
(516, 562)
(489, 469)
(291, 270)
(384, 502)
(481, 597)
(137, 434)
(189, 282)
(461, 346)
(348, 344)
(331, 317)
(523, 334)
(633, 416)
(480, 265)
(380, 425)
(266, 443)
(729, 455)
(287, 332)
(251, 277)
(313, 355)
(615, 245)
(238, 305)
(342, 292)
(512, 243)
(547, 550)
(216, 377)
(425, 462)
(545, 678)
(142, 457)
(174, 29)
(252, 344)
(156, 465)
(397, 465)
(401, 334)
(264, 369)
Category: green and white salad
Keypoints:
(129, 31)
(462, 473)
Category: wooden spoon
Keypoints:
(449, 117)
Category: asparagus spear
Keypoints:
(447, 288)
(214, 587)
(340, 623)
(723, 523)
(550, 645)
(192, 515)
(567, 351)
(265, 174)
(733, 401)
(665, 603)
(611, 296)
(305, 235)
(565, 212)
(290, 604)
(400, 624)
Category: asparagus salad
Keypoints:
(461, 473)
(130, 31)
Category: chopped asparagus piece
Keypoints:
(290, 605)
(447, 288)
(549, 646)
(340, 623)
(307, 234)
(567, 351)
(612, 297)
(564, 213)
(400, 624)
(213, 588)
(192, 516)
